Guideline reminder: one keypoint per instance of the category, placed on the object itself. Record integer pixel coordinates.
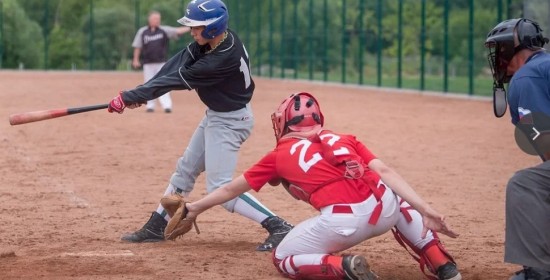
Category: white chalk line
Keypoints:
(116, 253)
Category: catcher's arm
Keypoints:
(223, 194)
(184, 214)
(431, 218)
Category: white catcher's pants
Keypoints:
(149, 71)
(330, 233)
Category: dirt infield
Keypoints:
(69, 187)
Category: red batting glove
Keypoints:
(117, 105)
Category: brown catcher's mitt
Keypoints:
(171, 203)
(179, 224)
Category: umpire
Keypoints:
(516, 56)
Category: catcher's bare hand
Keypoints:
(434, 221)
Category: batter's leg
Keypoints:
(189, 166)
(224, 135)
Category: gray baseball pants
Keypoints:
(527, 239)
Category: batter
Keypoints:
(217, 66)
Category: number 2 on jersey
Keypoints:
(316, 157)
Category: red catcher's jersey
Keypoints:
(302, 163)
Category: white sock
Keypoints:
(250, 207)
(169, 190)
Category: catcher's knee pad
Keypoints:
(424, 256)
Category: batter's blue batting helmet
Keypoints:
(212, 14)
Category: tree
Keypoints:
(23, 42)
(113, 29)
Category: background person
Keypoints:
(151, 44)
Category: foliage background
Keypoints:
(332, 40)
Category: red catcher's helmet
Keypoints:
(299, 112)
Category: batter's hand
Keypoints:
(117, 104)
(434, 221)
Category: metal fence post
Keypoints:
(236, 11)
(400, 44)
(247, 25)
(282, 43)
(471, 49)
(295, 28)
(137, 14)
(45, 32)
(446, 46)
(91, 37)
(325, 40)
(499, 11)
(310, 40)
(361, 39)
(270, 47)
(344, 32)
(258, 37)
(379, 43)
(422, 44)
(1, 33)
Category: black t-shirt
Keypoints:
(155, 45)
(221, 78)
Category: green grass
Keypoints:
(483, 86)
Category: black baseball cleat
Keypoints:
(152, 231)
(357, 268)
(530, 273)
(278, 229)
(167, 110)
(448, 271)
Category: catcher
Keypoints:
(358, 197)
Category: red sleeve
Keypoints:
(263, 171)
(364, 153)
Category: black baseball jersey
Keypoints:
(155, 45)
(221, 78)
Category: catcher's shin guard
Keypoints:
(349, 267)
(429, 256)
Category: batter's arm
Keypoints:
(167, 79)
(431, 218)
(223, 194)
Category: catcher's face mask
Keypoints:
(299, 112)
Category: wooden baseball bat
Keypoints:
(36, 116)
